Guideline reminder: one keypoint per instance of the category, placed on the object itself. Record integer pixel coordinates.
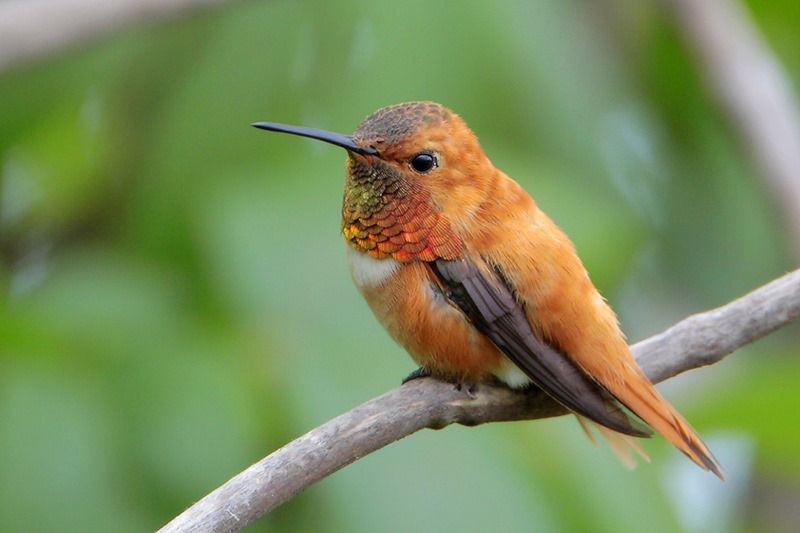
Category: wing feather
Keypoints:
(486, 299)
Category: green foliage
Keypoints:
(176, 302)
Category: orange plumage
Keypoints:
(474, 280)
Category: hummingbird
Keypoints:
(477, 283)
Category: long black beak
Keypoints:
(339, 139)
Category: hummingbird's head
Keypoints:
(424, 142)
(415, 172)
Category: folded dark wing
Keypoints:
(489, 303)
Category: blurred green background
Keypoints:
(175, 300)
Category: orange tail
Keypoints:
(625, 447)
(644, 400)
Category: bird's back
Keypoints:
(566, 310)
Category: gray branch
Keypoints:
(754, 92)
(699, 340)
(35, 29)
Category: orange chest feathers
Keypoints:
(410, 305)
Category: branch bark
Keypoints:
(699, 340)
(754, 92)
(34, 29)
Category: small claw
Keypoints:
(421, 372)
(468, 388)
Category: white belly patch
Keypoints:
(367, 271)
(510, 374)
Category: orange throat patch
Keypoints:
(385, 216)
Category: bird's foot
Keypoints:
(421, 372)
(470, 389)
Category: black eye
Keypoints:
(423, 162)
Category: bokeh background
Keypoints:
(175, 302)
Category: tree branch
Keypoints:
(754, 92)
(699, 340)
(34, 29)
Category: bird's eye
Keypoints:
(423, 162)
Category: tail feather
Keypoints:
(645, 401)
(625, 447)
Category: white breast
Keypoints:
(367, 271)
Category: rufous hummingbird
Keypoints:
(466, 272)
